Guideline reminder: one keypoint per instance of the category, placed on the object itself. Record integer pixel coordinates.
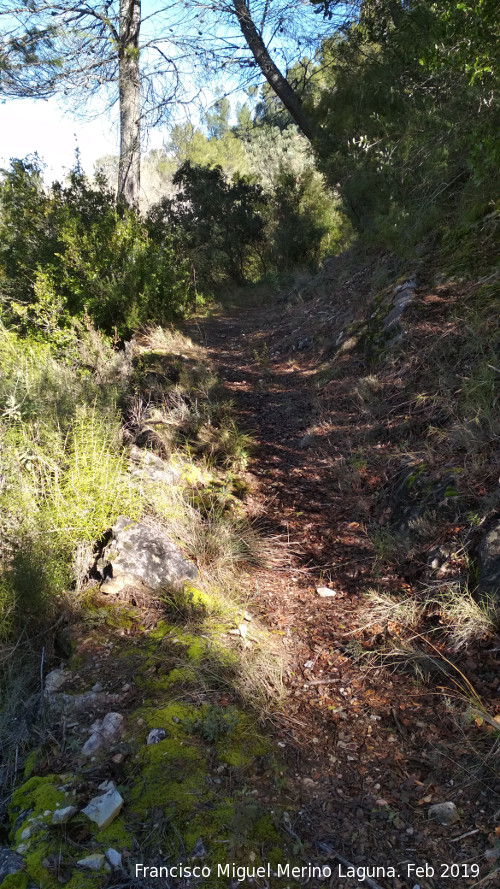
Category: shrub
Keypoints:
(218, 223)
(63, 479)
(73, 250)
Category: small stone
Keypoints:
(126, 687)
(325, 592)
(102, 810)
(114, 858)
(61, 816)
(247, 616)
(445, 813)
(106, 785)
(199, 850)
(10, 862)
(242, 628)
(156, 735)
(305, 441)
(112, 727)
(97, 687)
(26, 833)
(92, 745)
(104, 733)
(118, 758)
(492, 855)
(54, 680)
(22, 848)
(92, 862)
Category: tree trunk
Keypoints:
(129, 169)
(273, 75)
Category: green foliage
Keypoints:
(307, 221)
(63, 480)
(212, 723)
(406, 103)
(73, 251)
(216, 222)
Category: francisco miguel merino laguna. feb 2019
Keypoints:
(304, 873)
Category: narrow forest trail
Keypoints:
(370, 750)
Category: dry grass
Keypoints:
(168, 340)
(454, 613)
(468, 618)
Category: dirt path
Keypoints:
(370, 751)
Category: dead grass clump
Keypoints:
(168, 340)
(382, 609)
(467, 618)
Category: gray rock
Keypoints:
(156, 735)
(92, 745)
(199, 850)
(402, 297)
(104, 733)
(61, 816)
(489, 561)
(409, 284)
(114, 858)
(147, 554)
(112, 727)
(445, 813)
(102, 810)
(305, 441)
(145, 464)
(55, 680)
(89, 702)
(10, 862)
(106, 785)
(96, 861)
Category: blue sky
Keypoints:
(28, 126)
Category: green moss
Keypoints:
(117, 835)
(30, 763)
(47, 878)
(35, 797)
(171, 774)
(161, 630)
(15, 881)
(197, 649)
(197, 599)
(243, 745)
(177, 676)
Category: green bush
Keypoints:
(407, 112)
(73, 251)
(306, 222)
(63, 478)
(217, 223)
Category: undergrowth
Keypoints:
(69, 428)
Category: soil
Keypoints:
(372, 749)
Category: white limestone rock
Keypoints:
(102, 810)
